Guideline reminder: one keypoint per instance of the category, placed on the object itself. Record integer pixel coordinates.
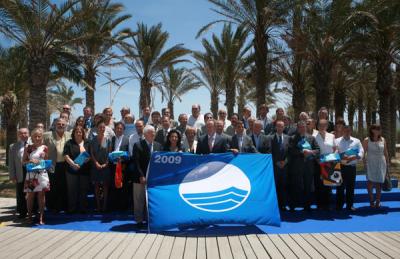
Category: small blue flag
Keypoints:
(42, 165)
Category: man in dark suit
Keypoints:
(212, 142)
(303, 150)
(241, 143)
(183, 120)
(279, 143)
(119, 198)
(260, 141)
(161, 136)
(141, 155)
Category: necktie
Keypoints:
(280, 145)
(240, 144)
(210, 145)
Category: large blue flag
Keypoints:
(186, 190)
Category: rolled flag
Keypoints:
(81, 159)
(350, 152)
(304, 145)
(333, 157)
(42, 165)
(114, 156)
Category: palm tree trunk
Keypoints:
(39, 73)
(9, 108)
(241, 99)
(321, 83)
(339, 96)
(214, 103)
(230, 90)
(350, 115)
(368, 114)
(383, 85)
(261, 56)
(145, 93)
(171, 108)
(90, 78)
(393, 123)
(298, 99)
(23, 98)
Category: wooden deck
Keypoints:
(21, 242)
(25, 242)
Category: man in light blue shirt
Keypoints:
(351, 152)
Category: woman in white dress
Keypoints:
(36, 181)
(376, 162)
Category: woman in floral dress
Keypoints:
(36, 181)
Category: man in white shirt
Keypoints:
(196, 119)
(137, 136)
(348, 167)
(222, 116)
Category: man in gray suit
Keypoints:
(260, 140)
(16, 169)
(241, 143)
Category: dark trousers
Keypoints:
(21, 201)
(322, 192)
(57, 197)
(118, 198)
(78, 185)
(349, 180)
(281, 176)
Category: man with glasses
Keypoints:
(203, 130)
(56, 199)
(88, 117)
(124, 111)
(196, 119)
(222, 116)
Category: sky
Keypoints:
(182, 19)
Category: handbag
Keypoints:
(387, 184)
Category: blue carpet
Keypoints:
(364, 219)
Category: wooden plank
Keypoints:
(97, 248)
(29, 243)
(269, 246)
(166, 247)
(190, 248)
(311, 251)
(178, 249)
(236, 247)
(112, 245)
(377, 252)
(76, 247)
(318, 246)
(343, 246)
(257, 246)
(297, 250)
(11, 237)
(77, 237)
(330, 246)
(92, 247)
(145, 246)
(4, 228)
(248, 250)
(129, 246)
(382, 246)
(386, 239)
(14, 232)
(361, 250)
(155, 248)
(212, 247)
(224, 247)
(391, 235)
(281, 246)
(201, 248)
(43, 249)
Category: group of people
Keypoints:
(65, 186)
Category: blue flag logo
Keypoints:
(186, 190)
(215, 187)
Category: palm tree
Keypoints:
(148, 58)
(209, 75)
(46, 32)
(176, 83)
(231, 51)
(13, 85)
(261, 18)
(97, 51)
(376, 39)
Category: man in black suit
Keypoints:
(118, 198)
(141, 155)
(240, 142)
(161, 136)
(260, 141)
(303, 150)
(279, 143)
(212, 142)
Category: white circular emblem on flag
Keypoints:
(215, 187)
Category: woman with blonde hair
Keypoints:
(36, 181)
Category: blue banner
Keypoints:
(186, 190)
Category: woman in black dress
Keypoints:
(173, 143)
